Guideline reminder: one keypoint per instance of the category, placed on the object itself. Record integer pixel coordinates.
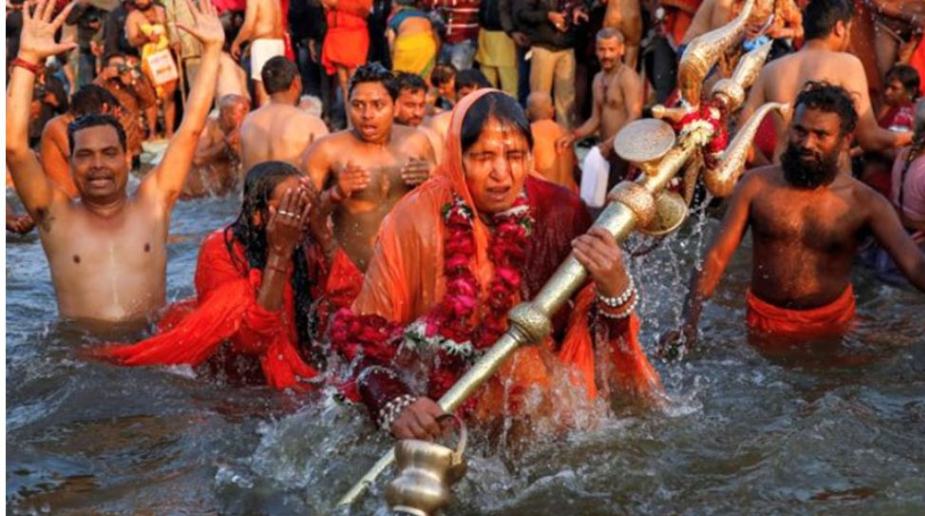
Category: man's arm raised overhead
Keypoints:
(36, 42)
(166, 181)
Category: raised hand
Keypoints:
(37, 39)
(207, 29)
(415, 172)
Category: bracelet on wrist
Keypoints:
(622, 299)
(390, 412)
(622, 313)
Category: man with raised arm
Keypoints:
(107, 250)
(823, 57)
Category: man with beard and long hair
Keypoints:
(808, 217)
(253, 292)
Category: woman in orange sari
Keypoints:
(455, 255)
(250, 318)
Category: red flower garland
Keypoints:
(451, 323)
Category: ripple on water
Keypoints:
(741, 431)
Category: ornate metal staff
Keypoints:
(642, 204)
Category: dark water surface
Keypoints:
(839, 430)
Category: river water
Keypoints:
(839, 429)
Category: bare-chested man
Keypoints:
(218, 154)
(107, 251)
(54, 150)
(822, 58)
(146, 30)
(713, 14)
(279, 131)
(618, 99)
(264, 27)
(807, 219)
(411, 106)
(364, 171)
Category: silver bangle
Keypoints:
(623, 314)
(622, 299)
(392, 410)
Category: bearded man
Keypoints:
(808, 219)
(455, 255)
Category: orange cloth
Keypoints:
(346, 42)
(225, 309)
(552, 165)
(405, 278)
(829, 320)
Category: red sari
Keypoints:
(225, 310)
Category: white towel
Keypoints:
(262, 50)
(595, 171)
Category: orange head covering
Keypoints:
(405, 295)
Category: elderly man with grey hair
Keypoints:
(218, 154)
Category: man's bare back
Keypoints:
(268, 21)
(278, 132)
(357, 219)
(782, 80)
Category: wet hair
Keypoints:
(259, 184)
(829, 98)
(907, 76)
(94, 120)
(442, 74)
(277, 74)
(820, 17)
(374, 72)
(410, 81)
(471, 78)
(230, 100)
(610, 32)
(500, 106)
(90, 99)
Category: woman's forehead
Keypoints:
(500, 131)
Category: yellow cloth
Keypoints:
(152, 47)
(414, 53)
(496, 49)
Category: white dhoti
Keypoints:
(262, 50)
